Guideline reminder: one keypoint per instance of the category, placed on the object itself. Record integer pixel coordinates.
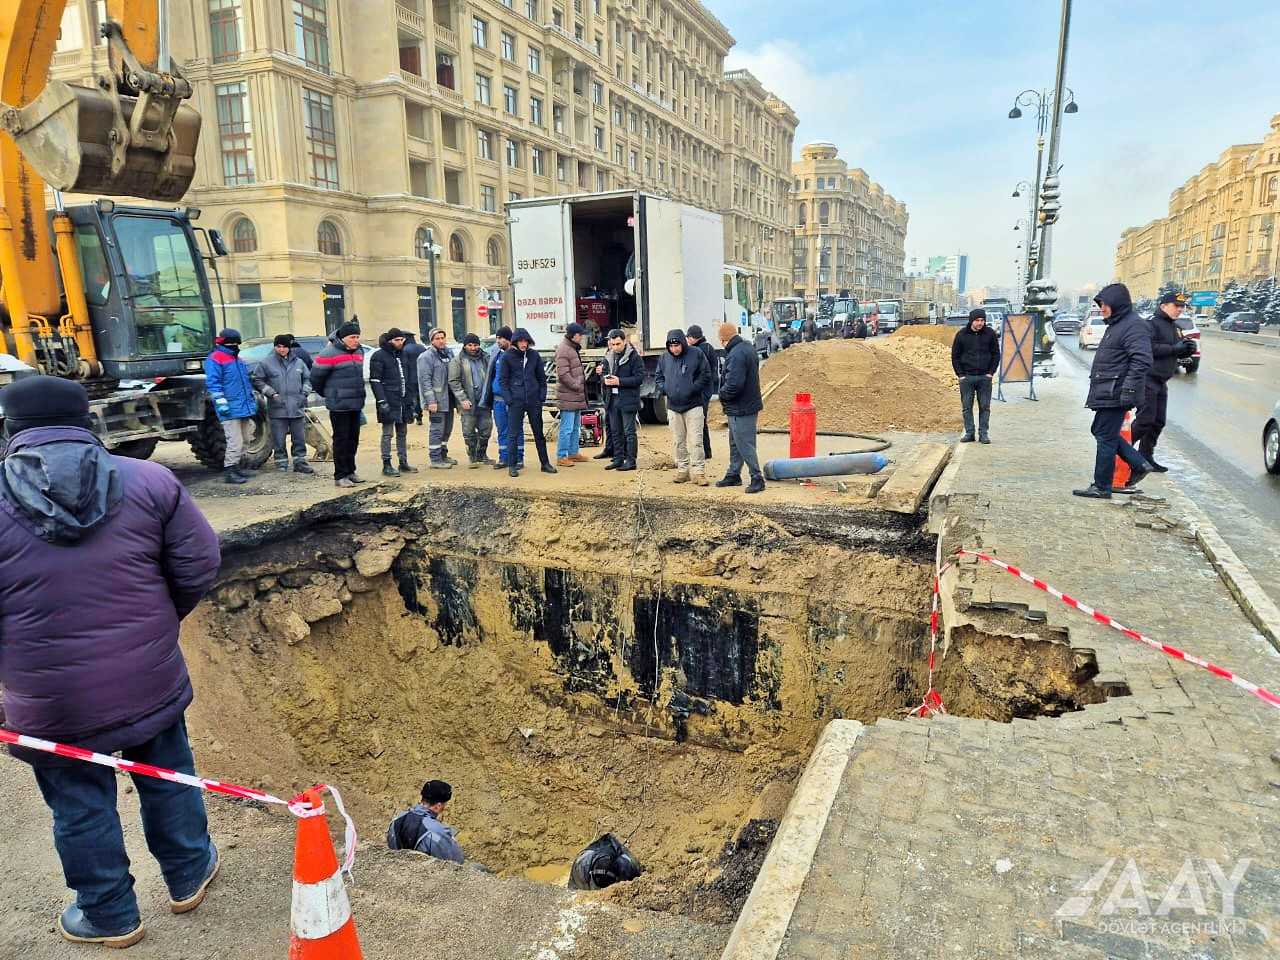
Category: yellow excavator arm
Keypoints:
(130, 136)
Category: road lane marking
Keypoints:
(1238, 376)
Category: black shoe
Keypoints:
(548, 468)
(230, 475)
(1157, 467)
(301, 466)
(513, 470)
(755, 486)
(500, 465)
(626, 465)
(1093, 493)
(282, 466)
(388, 470)
(603, 455)
(1136, 477)
(615, 465)
(967, 438)
(405, 468)
(729, 482)
(984, 439)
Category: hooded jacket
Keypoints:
(523, 378)
(1120, 366)
(571, 376)
(389, 380)
(685, 379)
(433, 378)
(227, 378)
(338, 376)
(100, 558)
(285, 382)
(740, 388)
(1166, 344)
(412, 351)
(975, 353)
(628, 367)
(713, 365)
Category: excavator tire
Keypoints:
(209, 443)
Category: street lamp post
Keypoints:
(433, 250)
(1064, 30)
(1045, 102)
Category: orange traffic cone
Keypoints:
(320, 923)
(1122, 472)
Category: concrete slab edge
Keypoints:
(1254, 602)
(944, 488)
(762, 924)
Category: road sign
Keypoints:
(482, 311)
(1204, 298)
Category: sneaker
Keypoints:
(76, 928)
(967, 438)
(682, 476)
(450, 461)
(301, 466)
(579, 458)
(388, 470)
(1158, 467)
(755, 486)
(189, 903)
(566, 462)
(440, 465)
(700, 480)
(343, 482)
(231, 476)
(729, 482)
(405, 468)
(1092, 492)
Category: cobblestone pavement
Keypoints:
(1107, 832)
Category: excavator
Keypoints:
(111, 294)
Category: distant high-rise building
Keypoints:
(955, 267)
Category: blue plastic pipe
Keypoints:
(834, 466)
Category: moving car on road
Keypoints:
(1091, 332)
(1187, 324)
(1066, 323)
(1271, 442)
(1243, 321)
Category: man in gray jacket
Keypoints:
(285, 380)
(433, 385)
(419, 828)
(467, 382)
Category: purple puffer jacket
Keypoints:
(100, 558)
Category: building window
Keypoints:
(632, 121)
(617, 153)
(328, 239)
(493, 252)
(457, 249)
(224, 26)
(513, 196)
(531, 10)
(488, 198)
(801, 215)
(599, 137)
(479, 32)
(535, 111)
(510, 99)
(562, 168)
(634, 161)
(597, 92)
(508, 47)
(458, 305)
(322, 139)
(235, 133)
(244, 236)
(484, 145)
(311, 33)
(513, 153)
(248, 293)
(617, 116)
(422, 241)
(535, 61)
(824, 213)
(602, 181)
(557, 118)
(537, 160)
(484, 92)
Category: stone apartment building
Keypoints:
(1221, 225)
(850, 236)
(345, 143)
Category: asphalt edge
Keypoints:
(1253, 601)
(764, 919)
(1257, 339)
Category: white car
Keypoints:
(1271, 442)
(1091, 332)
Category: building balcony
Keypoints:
(486, 110)
(408, 17)
(446, 36)
(415, 81)
(449, 94)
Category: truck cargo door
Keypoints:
(660, 267)
(542, 269)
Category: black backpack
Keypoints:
(604, 863)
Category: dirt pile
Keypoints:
(857, 388)
(926, 354)
(926, 331)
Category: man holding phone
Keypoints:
(623, 373)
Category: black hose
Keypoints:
(881, 442)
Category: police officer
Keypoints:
(1168, 346)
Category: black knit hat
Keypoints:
(229, 335)
(695, 331)
(44, 402)
(436, 791)
(504, 333)
(471, 338)
(346, 330)
(395, 332)
(977, 313)
(283, 340)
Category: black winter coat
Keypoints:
(1120, 366)
(338, 376)
(629, 369)
(524, 378)
(740, 388)
(683, 379)
(975, 354)
(1166, 345)
(713, 364)
(412, 350)
(389, 379)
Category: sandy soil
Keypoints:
(926, 354)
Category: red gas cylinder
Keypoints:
(804, 427)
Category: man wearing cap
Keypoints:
(1168, 346)
(467, 373)
(419, 828)
(683, 378)
(338, 376)
(975, 358)
(433, 385)
(696, 339)
(283, 378)
(389, 381)
(742, 402)
(497, 402)
(101, 557)
(571, 395)
(231, 390)
(524, 385)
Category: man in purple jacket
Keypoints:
(100, 558)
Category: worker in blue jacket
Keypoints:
(231, 390)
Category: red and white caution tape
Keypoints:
(1260, 692)
(932, 702)
(299, 806)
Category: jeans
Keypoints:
(441, 428)
(686, 436)
(289, 428)
(400, 429)
(1106, 430)
(516, 415)
(622, 434)
(1149, 421)
(477, 425)
(570, 439)
(90, 841)
(238, 433)
(500, 419)
(346, 441)
(980, 387)
(742, 447)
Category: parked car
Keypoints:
(1187, 324)
(1243, 321)
(1271, 442)
(1091, 331)
(956, 320)
(257, 349)
(1067, 323)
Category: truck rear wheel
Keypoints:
(653, 410)
(209, 443)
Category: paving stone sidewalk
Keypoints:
(1096, 834)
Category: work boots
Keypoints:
(682, 476)
(388, 470)
(232, 475)
(301, 466)
(405, 468)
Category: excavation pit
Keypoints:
(579, 666)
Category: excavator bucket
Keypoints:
(69, 134)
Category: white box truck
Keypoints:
(580, 250)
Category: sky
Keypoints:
(918, 95)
